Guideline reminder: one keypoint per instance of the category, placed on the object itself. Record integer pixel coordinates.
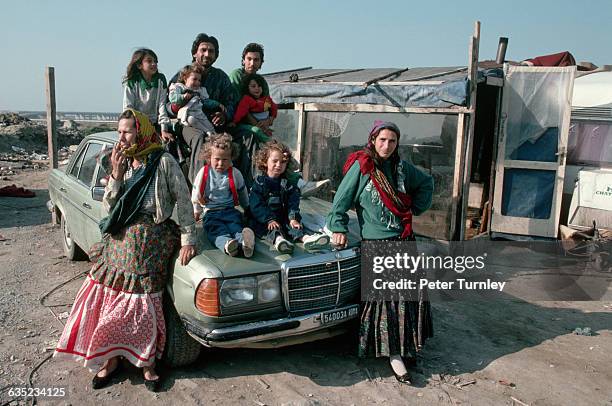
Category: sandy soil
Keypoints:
(483, 353)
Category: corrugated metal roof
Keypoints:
(356, 75)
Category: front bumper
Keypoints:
(274, 333)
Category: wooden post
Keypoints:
(457, 176)
(467, 170)
(300, 133)
(51, 130)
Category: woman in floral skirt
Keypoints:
(118, 310)
(386, 192)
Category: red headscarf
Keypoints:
(397, 202)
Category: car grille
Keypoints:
(323, 285)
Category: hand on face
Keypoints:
(118, 162)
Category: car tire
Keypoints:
(180, 349)
(72, 251)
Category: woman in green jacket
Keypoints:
(385, 192)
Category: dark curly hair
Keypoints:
(219, 141)
(263, 154)
(201, 37)
(253, 47)
(244, 88)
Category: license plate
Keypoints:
(334, 316)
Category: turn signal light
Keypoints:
(207, 297)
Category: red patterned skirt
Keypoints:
(118, 310)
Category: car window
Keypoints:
(104, 166)
(75, 168)
(88, 165)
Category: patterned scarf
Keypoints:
(147, 140)
(398, 203)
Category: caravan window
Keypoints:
(427, 140)
(590, 143)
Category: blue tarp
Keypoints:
(329, 86)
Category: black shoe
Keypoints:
(409, 362)
(403, 378)
(99, 383)
(153, 385)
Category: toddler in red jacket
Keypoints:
(260, 107)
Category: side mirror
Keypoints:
(97, 193)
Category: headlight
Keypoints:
(237, 291)
(253, 290)
(268, 288)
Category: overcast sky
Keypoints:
(90, 43)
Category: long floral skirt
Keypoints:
(118, 310)
(395, 327)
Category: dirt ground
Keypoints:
(483, 353)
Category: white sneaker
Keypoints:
(315, 242)
(283, 246)
(248, 242)
(231, 248)
(309, 188)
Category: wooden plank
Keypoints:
(388, 75)
(492, 195)
(467, 170)
(562, 152)
(300, 131)
(457, 174)
(51, 125)
(435, 75)
(542, 166)
(377, 108)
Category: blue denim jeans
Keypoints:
(223, 225)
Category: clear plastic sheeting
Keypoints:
(427, 140)
(536, 102)
(285, 128)
(590, 143)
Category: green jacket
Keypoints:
(375, 220)
(237, 75)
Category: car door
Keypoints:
(82, 212)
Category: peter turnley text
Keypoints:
(423, 283)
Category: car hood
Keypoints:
(314, 212)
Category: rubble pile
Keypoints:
(23, 144)
(11, 119)
(20, 132)
(19, 160)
